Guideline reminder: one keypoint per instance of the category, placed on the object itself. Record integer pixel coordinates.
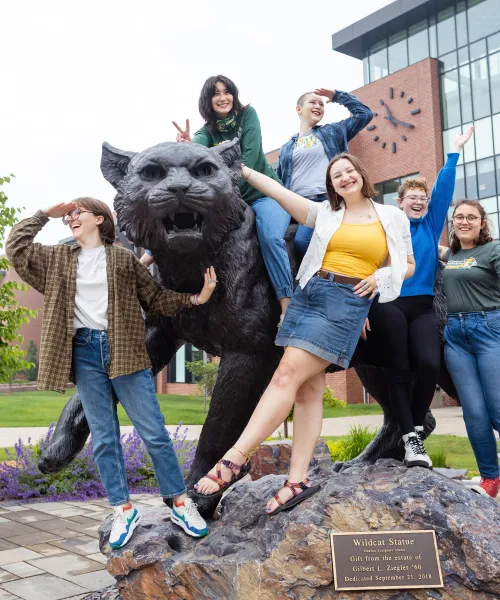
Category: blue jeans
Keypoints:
(304, 234)
(272, 222)
(136, 393)
(472, 354)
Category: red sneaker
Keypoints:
(488, 487)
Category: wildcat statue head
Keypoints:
(176, 198)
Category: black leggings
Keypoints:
(406, 332)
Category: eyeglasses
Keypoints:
(469, 218)
(74, 214)
(423, 199)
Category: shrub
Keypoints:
(20, 478)
(337, 450)
(352, 444)
(439, 458)
(330, 400)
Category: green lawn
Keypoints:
(458, 451)
(40, 409)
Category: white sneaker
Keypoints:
(189, 518)
(124, 523)
(415, 454)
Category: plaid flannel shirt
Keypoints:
(51, 270)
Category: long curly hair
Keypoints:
(207, 93)
(484, 234)
(368, 190)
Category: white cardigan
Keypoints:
(326, 221)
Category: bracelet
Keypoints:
(196, 299)
(249, 175)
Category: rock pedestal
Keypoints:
(251, 556)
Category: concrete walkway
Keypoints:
(50, 550)
(449, 422)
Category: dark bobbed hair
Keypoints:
(368, 190)
(100, 209)
(484, 234)
(207, 93)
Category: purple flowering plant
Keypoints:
(20, 478)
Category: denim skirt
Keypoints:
(325, 318)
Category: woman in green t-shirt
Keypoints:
(471, 283)
(226, 118)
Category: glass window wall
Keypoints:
(483, 138)
(486, 178)
(480, 88)
(398, 53)
(483, 18)
(446, 31)
(451, 99)
(418, 43)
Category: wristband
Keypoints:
(196, 299)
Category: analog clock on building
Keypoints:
(396, 121)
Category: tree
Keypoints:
(206, 373)
(31, 356)
(12, 316)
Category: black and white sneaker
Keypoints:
(415, 454)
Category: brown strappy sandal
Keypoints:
(238, 472)
(298, 497)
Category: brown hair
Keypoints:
(100, 209)
(413, 184)
(302, 99)
(336, 200)
(484, 234)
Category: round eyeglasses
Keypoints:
(469, 218)
(74, 214)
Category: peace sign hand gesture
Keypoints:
(330, 94)
(183, 134)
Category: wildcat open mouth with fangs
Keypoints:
(183, 221)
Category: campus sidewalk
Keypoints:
(449, 422)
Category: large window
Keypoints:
(418, 44)
(398, 53)
(483, 18)
(176, 371)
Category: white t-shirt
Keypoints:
(91, 299)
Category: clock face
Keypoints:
(396, 120)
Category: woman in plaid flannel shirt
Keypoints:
(93, 332)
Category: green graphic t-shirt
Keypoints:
(471, 279)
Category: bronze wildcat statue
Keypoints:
(182, 202)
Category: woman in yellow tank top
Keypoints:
(342, 271)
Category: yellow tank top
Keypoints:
(356, 250)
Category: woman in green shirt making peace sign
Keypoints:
(226, 118)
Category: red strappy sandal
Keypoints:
(239, 471)
(298, 496)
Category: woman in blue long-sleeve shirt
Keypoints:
(406, 328)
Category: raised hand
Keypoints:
(58, 211)
(330, 94)
(183, 134)
(209, 287)
(462, 139)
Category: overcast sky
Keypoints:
(76, 74)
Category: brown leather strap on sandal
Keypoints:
(292, 486)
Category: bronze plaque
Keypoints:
(385, 560)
